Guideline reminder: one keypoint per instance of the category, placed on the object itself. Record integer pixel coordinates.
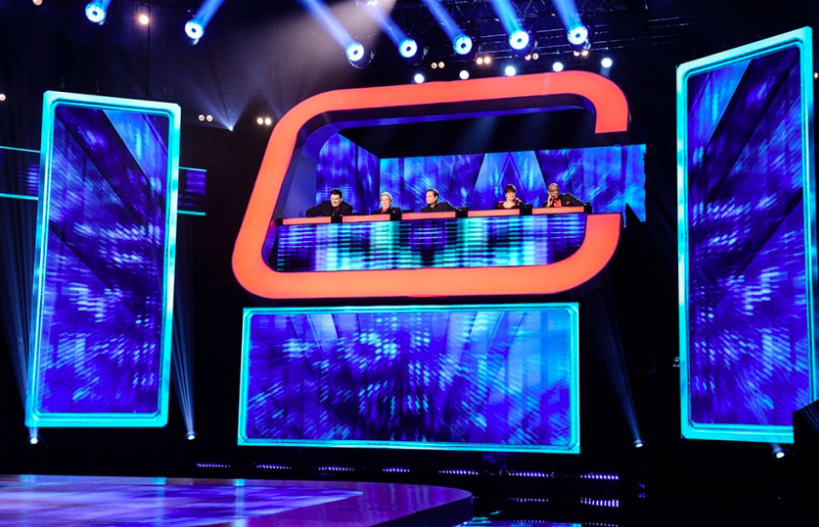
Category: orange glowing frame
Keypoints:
(442, 100)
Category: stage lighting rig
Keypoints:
(407, 48)
(143, 16)
(463, 75)
(194, 30)
(607, 62)
(638, 443)
(95, 12)
(419, 78)
(510, 71)
(578, 35)
(519, 40)
(2, 97)
(190, 436)
(462, 45)
(557, 66)
(38, 3)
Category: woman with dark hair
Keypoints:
(511, 201)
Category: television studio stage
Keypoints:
(407, 263)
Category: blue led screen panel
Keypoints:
(472, 242)
(103, 277)
(610, 178)
(489, 378)
(747, 240)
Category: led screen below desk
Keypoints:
(435, 240)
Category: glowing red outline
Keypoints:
(602, 230)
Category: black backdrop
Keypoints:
(263, 59)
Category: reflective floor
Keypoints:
(50, 501)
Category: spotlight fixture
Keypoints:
(584, 53)
(578, 35)
(2, 97)
(143, 18)
(463, 75)
(38, 3)
(557, 66)
(95, 12)
(34, 439)
(462, 44)
(606, 62)
(201, 117)
(434, 65)
(260, 121)
(355, 52)
(487, 60)
(510, 71)
(419, 78)
(407, 48)
(441, 65)
(191, 436)
(209, 118)
(194, 30)
(519, 39)
(780, 455)
(528, 57)
(535, 55)
(479, 61)
(576, 53)
(268, 121)
(815, 75)
(638, 443)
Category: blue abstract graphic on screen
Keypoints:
(464, 378)
(610, 178)
(749, 353)
(105, 251)
(472, 242)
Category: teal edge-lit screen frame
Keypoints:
(52, 100)
(802, 39)
(573, 447)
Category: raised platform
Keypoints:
(48, 501)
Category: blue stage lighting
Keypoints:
(194, 29)
(191, 436)
(95, 11)
(355, 52)
(578, 35)
(408, 48)
(462, 45)
(463, 75)
(606, 62)
(510, 71)
(519, 39)
(557, 66)
(638, 443)
(419, 78)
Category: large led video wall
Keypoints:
(103, 292)
(610, 178)
(501, 377)
(747, 240)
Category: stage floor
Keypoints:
(48, 501)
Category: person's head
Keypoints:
(335, 197)
(432, 196)
(554, 191)
(510, 192)
(386, 200)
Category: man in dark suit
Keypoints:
(556, 199)
(433, 205)
(334, 208)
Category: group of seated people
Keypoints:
(337, 207)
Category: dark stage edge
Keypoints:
(48, 501)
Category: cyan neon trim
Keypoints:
(572, 446)
(34, 416)
(802, 40)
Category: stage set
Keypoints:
(407, 262)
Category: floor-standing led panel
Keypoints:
(747, 240)
(488, 378)
(103, 277)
